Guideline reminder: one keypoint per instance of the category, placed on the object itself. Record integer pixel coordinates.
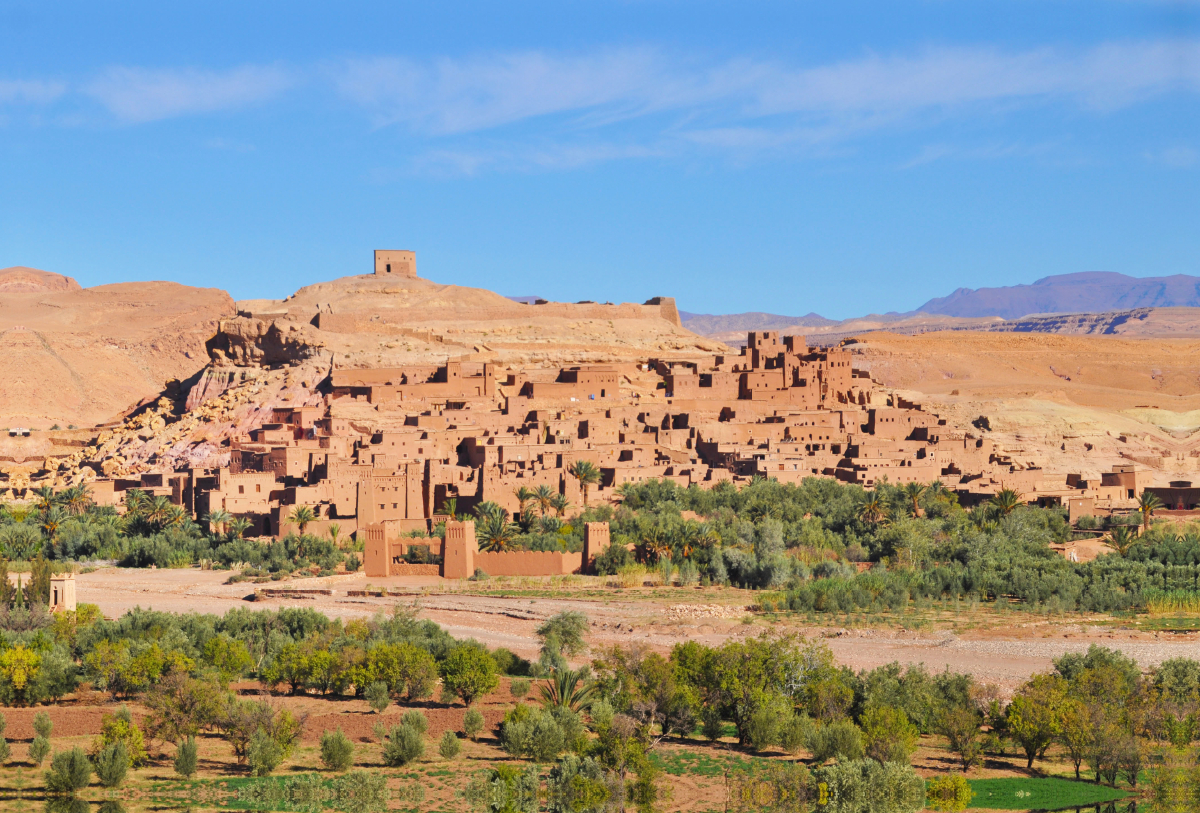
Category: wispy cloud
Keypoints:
(136, 95)
(551, 156)
(1176, 157)
(30, 92)
(933, 153)
(456, 96)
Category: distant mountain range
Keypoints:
(705, 323)
(1091, 292)
(1088, 292)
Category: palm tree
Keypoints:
(524, 495)
(136, 501)
(238, 526)
(872, 510)
(76, 499)
(335, 534)
(45, 499)
(174, 516)
(495, 532)
(51, 520)
(544, 496)
(487, 508)
(217, 521)
(587, 474)
(913, 492)
(450, 508)
(1006, 501)
(158, 511)
(560, 504)
(655, 544)
(1148, 503)
(1121, 539)
(707, 536)
(301, 517)
(569, 689)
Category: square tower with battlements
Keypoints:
(395, 263)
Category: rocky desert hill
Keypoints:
(371, 321)
(81, 356)
(1067, 403)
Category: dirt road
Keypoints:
(1006, 658)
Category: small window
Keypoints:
(241, 489)
(258, 488)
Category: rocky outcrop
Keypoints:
(246, 341)
(21, 280)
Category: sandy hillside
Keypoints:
(71, 355)
(1068, 403)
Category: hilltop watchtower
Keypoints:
(395, 263)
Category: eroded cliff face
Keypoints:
(249, 342)
(224, 403)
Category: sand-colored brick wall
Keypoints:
(529, 563)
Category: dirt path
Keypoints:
(1005, 657)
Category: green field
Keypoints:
(1019, 793)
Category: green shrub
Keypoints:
(950, 792)
(404, 744)
(415, 720)
(533, 734)
(469, 673)
(505, 789)
(794, 732)
(509, 663)
(70, 771)
(337, 752)
(473, 723)
(42, 724)
(263, 753)
(119, 727)
(867, 785)
(378, 697)
(762, 730)
(5, 751)
(39, 749)
(840, 739)
(449, 745)
(112, 763)
(360, 790)
(711, 724)
(186, 757)
(888, 736)
(519, 688)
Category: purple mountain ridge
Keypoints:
(1088, 292)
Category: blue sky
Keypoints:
(789, 157)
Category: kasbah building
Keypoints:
(779, 409)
